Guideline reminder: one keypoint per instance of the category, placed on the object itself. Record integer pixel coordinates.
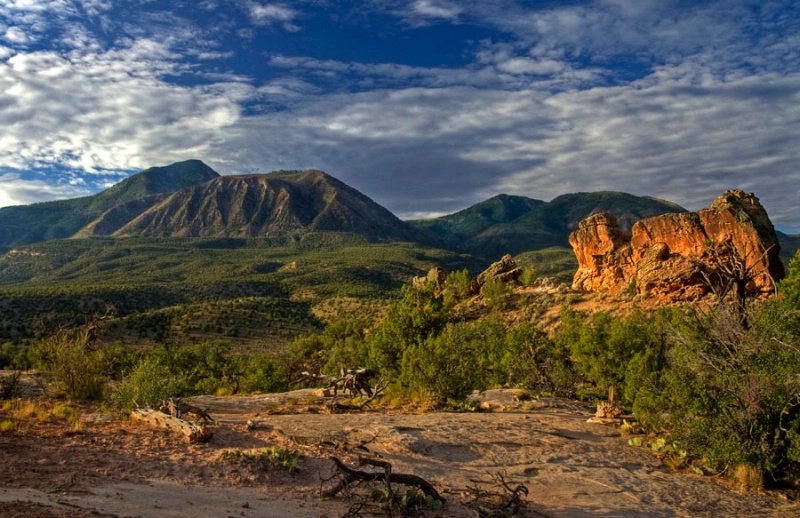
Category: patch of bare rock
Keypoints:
(569, 467)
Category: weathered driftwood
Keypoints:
(351, 475)
(192, 431)
(356, 382)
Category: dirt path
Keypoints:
(570, 467)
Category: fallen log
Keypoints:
(352, 475)
(193, 432)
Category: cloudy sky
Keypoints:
(426, 106)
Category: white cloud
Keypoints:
(16, 191)
(436, 9)
(15, 35)
(269, 14)
(106, 111)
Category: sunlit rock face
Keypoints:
(682, 256)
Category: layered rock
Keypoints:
(683, 256)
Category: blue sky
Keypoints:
(426, 106)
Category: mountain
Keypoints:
(458, 228)
(253, 205)
(790, 244)
(515, 224)
(64, 218)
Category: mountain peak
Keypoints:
(159, 180)
(255, 204)
(102, 211)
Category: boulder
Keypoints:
(506, 270)
(436, 274)
(679, 257)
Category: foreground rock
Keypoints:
(571, 468)
(730, 247)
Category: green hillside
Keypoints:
(514, 224)
(38, 222)
(256, 293)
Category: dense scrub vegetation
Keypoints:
(256, 293)
(721, 385)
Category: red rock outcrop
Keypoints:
(681, 256)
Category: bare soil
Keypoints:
(108, 466)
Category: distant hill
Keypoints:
(63, 218)
(253, 205)
(515, 224)
(789, 246)
(189, 199)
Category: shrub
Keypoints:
(261, 374)
(446, 367)
(341, 344)
(457, 285)
(732, 393)
(417, 316)
(463, 358)
(150, 383)
(528, 277)
(10, 386)
(619, 352)
(72, 365)
(264, 458)
(496, 294)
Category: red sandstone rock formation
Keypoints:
(730, 246)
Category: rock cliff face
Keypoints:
(731, 247)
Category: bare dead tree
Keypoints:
(354, 382)
(730, 273)
(335, 406)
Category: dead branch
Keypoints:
(351, 475)
(177, 408)
(491, 503)
(355, 382)
(334, 406)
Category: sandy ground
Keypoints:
(113, 467)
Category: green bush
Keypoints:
(457, 285)
(620, 352)
(447, 367)
(731, 392)
(528, 277)
(72, 365)
(150, 383)
(342, 344)
(261, 374)
(206, 366)
(470, 356)
(496, 294)
(417, 316)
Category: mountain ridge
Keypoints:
(516, 224)
(189, 199)
(255, 204)
(23, 224)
